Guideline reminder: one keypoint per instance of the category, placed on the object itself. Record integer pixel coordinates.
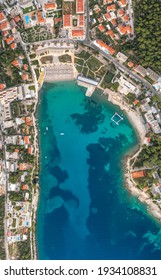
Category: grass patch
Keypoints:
(90, 74)
(35, 62)
(79, 68)
(65, 58)
(32, 55)
(93, 63)
(108, 77)
(78, 61)
(85, 71)
(84, 55)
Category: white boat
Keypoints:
(62, 133)
(46, 128)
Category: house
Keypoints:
(50, 6)
(79, 6)
(16, 63)
(81, 20)
(17, 19)
(138, 174)
(153, 75)
(78, 33)
(25, 77)
(23, 166)
(67, 20)
(2, 86)
(26, 140)
(111, 34)
(2, 17)
(106, 48)
(113, 21)
(125, 18)
(13, 46)
(111, 8)
(121, 57)
(9, 40)
(25, 67)
(4, 25)
(122, 3)
(120, 12)
(101, 28)
(108, 16)
(130, 64)
(40, 17)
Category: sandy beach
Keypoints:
(137, 123)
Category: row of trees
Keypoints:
(2, 214)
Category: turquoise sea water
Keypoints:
(84, 210)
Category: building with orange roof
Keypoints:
(108, 16)
(126, 18)
(40, 17)
(106, 48)
(130, 64)
(13, 46)
(107, 2)
(136, 102)
(123, 30)
(17, 19)
(26, 139)
(77, 33)
(5, 33)
(138, 174)
(67, 20)
(4, 25)
(2, 86)
(122, 3)
(111, 8)
(23, 166)
(30, 150)
(79, 6)
(113, 21)
(101, 28)
(17, 150)
(25, 187)
(121, 12)
(111, 34)
(16, 63)
(9, 40)
(81, 20)
(25, 77)
(2, 17)
(56, 20)
(25, 67)
(50, 6)
(128, 29)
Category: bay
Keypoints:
(84, 210)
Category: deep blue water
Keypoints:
(85, 211)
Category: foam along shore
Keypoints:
(136, 121)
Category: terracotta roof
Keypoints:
(25, 67)
(105, 46)
(125, 17)
(4, 25)
(77, 33)
(23, 166)
(122, 2)
(121, 12)
(9, 40)
(108, 16)
(40, 17)
(111, 7)
(56, 20)
(25, 77)
(138, 174)
(130, 64)
(79, 6)
(17, 19)
(26, 139)
(16, 63)
(50, 6)
(2, 86)
(124, 29)
(66, 20)
(17, 150)
(13, 46)
(2, 17)
(81, 20)
(29, 151)
(111, 34)
(5, 33)
(136, 102)
(113, 21)
(101, 28)
(25, 187)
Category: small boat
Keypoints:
(46, 128)
(62, 133)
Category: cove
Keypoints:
(84, 209)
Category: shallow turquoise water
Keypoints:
(84, 210)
